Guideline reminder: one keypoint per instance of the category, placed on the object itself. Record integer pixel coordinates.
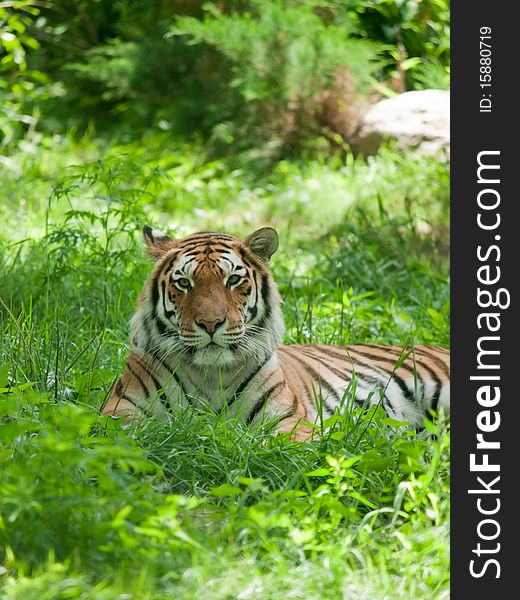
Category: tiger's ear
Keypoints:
(263, 242)
(158, 243)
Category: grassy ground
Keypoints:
(201, 506)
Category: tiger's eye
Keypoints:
(233, 279)
(183, 283)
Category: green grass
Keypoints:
(203, 506)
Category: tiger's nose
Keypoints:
(209, 326)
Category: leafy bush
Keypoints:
(15, 79)
(56, 477)
(417, 39)
(283, 54)
(261, 75)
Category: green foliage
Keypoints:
(417, 35)
(56, 476)
(99, 500)
(282, 55)
(85, 249)
(262, 75)
(15, 81)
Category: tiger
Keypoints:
(208, 330)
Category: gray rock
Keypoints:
(419, 119)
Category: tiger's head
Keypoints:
(210, 299)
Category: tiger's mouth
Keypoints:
(219, 342)
(215, 343)
(212, 345)
(213, 355)
(196, 343)
(221, 349)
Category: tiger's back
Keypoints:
(208, 328)
(406, 382)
